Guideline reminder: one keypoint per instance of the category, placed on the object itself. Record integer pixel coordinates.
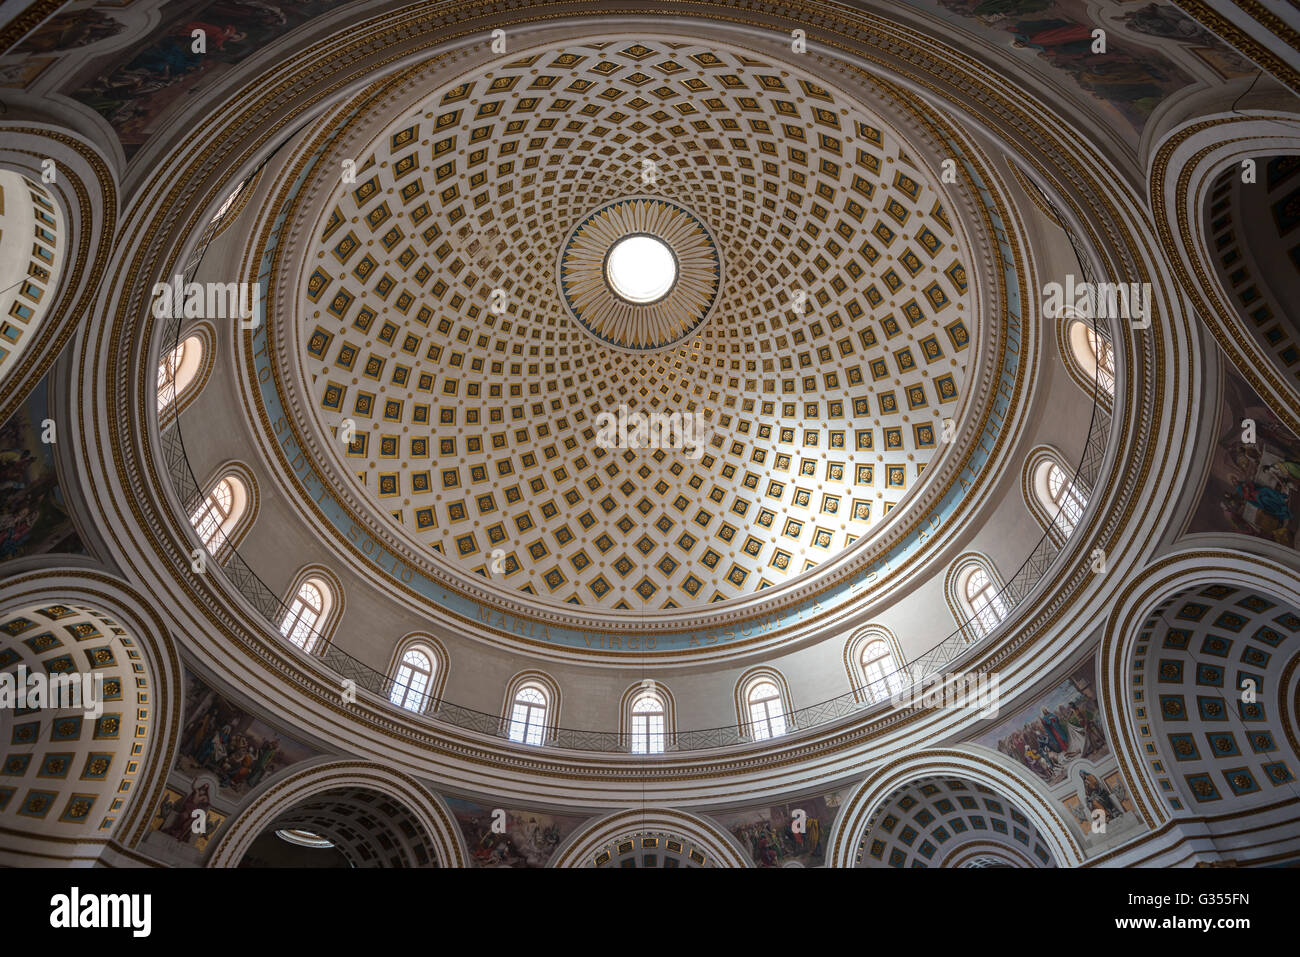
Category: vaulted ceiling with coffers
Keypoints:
(1206, 674)
(948, 821)
(434, 317)
(68, 770)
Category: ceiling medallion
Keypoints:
(640, 273)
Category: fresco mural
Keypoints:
(67, 31)
(773, 840)
(1252, 488)
(1061, 739)
(1063, 726)
(20, 74)
(134, 88)
(34, 519)
(223, 755)
(1131, 78)
(175, 815)
(518, 839)
(1153, 50)
(1096, 793)
(238, 749)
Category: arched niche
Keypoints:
(81, 767)
(623, 839)
(330, 800)
(1198, 753)
(1187, 167)
(84, 197)
(972, 784)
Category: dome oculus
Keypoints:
(641, 269)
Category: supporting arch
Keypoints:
(277, 799)
(961, 762)
(583, 847)
(85, 193)
(1183, 171)
(100, 619)
(1171, 575)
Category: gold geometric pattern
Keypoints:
(67, 766)
(432, 318)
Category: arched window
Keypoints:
(766, 710)
(976, 595)
(1065, 496)
(528, 715)
(874, 662)
(419, 672)
(305, 617)
(413, 680)
(880, 675)
(649, 718)
(1053, 493)
(1093, 354)
(178, 370)
(987, 606)
(220, 512)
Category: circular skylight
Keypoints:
(303, 838)
(641, 269)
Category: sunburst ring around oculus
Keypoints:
(640, 273)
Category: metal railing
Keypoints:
(905, 679)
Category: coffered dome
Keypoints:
(461, 324)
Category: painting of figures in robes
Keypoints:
(1254, 486)
(221, 738)
(1152, 49)
(785, 835)
(1061, 727)
(143, 84)
(510, 837)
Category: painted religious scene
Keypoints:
(175, 817)
(34, 518)
(785, 835)
(509, 837)
(1061, 739)
(238, 749)
(1153, 50)
(1063, 726)
(1253, 487)
(151, 78)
